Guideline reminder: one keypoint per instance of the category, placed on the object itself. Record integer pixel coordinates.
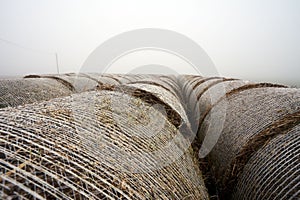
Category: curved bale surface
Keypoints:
(172, 81)
(34, 88)
(157, 82)
(104, 79)
(202, 88)
(159, 89)
(248, 113)
(188, 85)
(126, 78)
(273, 172)
(14, 92)
(95, 145)
(214, 93)
(192, 84)
(78, 82)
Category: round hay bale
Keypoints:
(194, 83)
(79, 83)
(104, 79)
(188, 85)
(202, 88)
(186, 81)
(155, 81)
(90, 146)
(214, 93)
(172, 82)
(126, 78)
(248, 112)
(18, 91)
(165, 96)
(193, 87)
(273, 172)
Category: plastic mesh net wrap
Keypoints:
(78, 82)
(192, 86)
(172, 81)
(104, 78)
(244, 114)
(189, 86)
(127, 78)
(34, 88)
(108, 144)
(213, 94)
(202, 86)
(19, 91)
(165, 93)
(273, 169)
(160, 84)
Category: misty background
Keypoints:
(257, 40)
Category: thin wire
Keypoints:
(32, 50)
(24, 47)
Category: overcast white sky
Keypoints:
(253, 39)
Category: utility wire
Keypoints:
(24, 47)
(32, 50)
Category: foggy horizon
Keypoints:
(253, 40)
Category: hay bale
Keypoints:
(272, 172)
(126, 78)
(191, 87)
(156, 81)
(35, 88)
(248, 112)
(193, 83)
(18, 91)
(104, 78)
(202, 88)
(78, 82)
(166, 96)
(173, 83)
(90, 145)
(189, 84)
(186, 83)
(213, 94)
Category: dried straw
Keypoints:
(249, 110)
(90, 145)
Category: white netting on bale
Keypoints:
(166, 95)
(33, 88)
(79, 82)
(248, 112)
(104, 78)
(192, 86)
(90, 145)
(214, 93)
(157, 82)
(126, 78)
(202, 89)
(273, 172)
(172, 81)
(19, 91)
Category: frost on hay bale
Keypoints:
(14, 92)
(248, 113)
(96, 145)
